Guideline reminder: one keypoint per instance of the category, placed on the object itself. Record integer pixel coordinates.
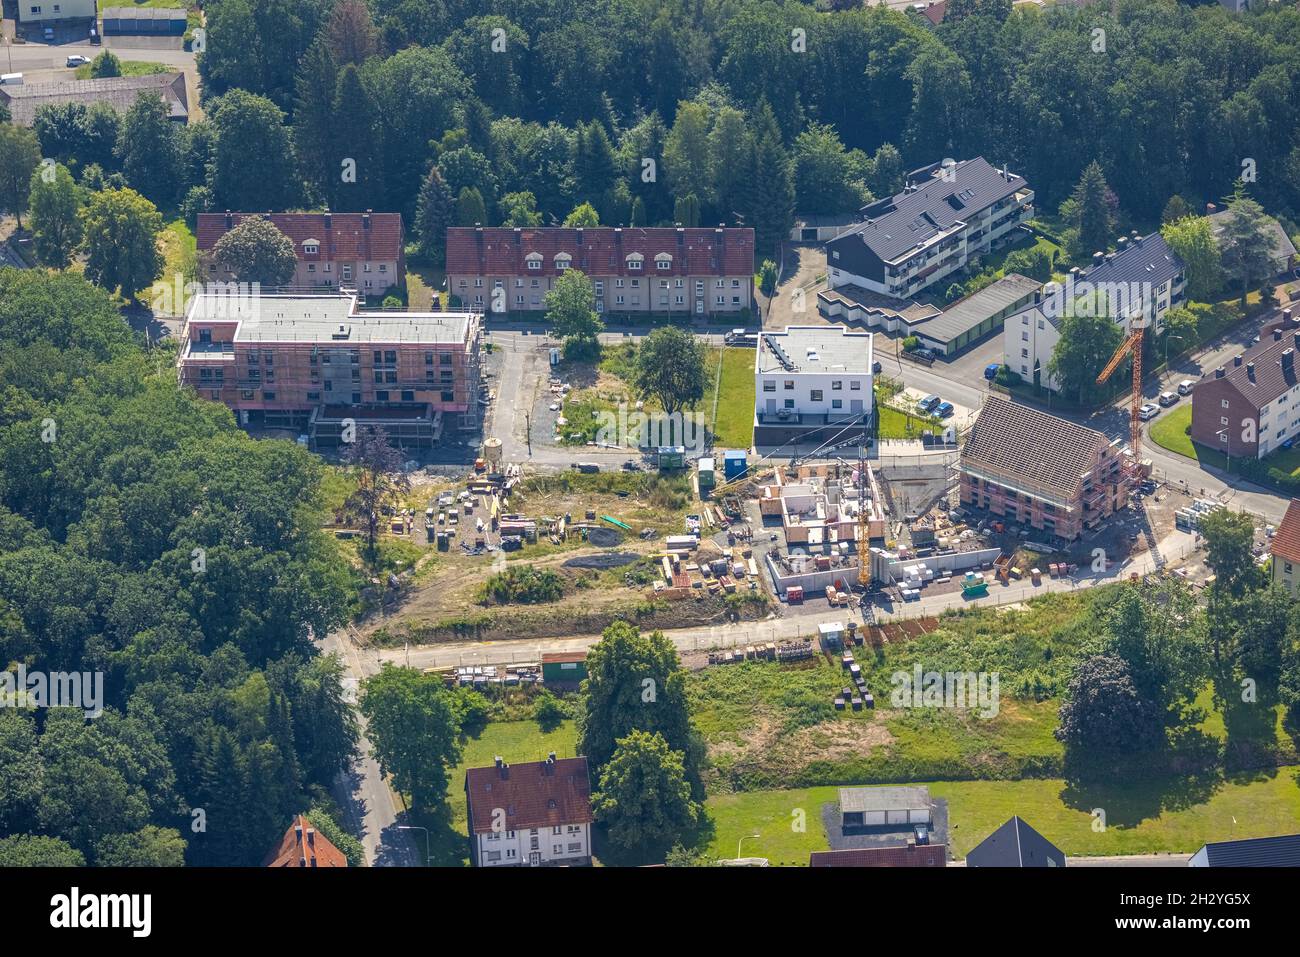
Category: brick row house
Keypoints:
(361, 251)
(530, 815)
(636, 271)
(1051, 474)
(309, 361)
(1250, 407)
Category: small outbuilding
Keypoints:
(144, 21)
(564, 669)
(888, 808)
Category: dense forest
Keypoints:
(142, 535)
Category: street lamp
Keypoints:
(742, 841)
(428, 854)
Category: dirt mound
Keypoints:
(604, 537)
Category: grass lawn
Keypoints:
(180, 251)
(129, 68)
(1142, 817)
(1170, 432)
(733, 427)
(896, 424)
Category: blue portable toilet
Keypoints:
(733, 464)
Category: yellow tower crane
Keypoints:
(1133, 344)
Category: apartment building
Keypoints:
(949, 214)
(812, 381)
(47, 12)
(1250, 406)
(530, 815)
(636, 271)
(361, 251)
(1029, 467)
(1141, 281)
(1286, 551)
(311, 361)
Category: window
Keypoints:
(408, 396)
(788, 384)
(1224, 403)
(837, 385)
(381, 396)
(663, 265)
(855, 386)
(535, 265)
(268, 396)
(1223, 437)
(1223, 420)
(444, 359)
(245, 393)
(816, 395)
(789, 403)
(448, 397)
(837, 403)
(347, 270)
(313, 396)
(769, 385)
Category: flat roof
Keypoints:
(326, 318)
(857, 800)
(967, 314)
(816, 349)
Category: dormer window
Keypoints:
(534, 261)
(563, 261)
(311, 246)
(663, 262)
(634, 262)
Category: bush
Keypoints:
(911, 343)
(524, 585)
(1007, 376)
(549, 712)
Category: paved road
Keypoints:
(1174, 546)
(364, 796)
(31, 57)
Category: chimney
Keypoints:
(1122, 243)
(1236, 360)
(1277, 334)
(1098, 258)
(230, 220)
(1210, 209)
(365, 219)
(1250, 371)
(297, 834)
(311, 837)
(1218, 373)
(267, 215)
(497, 761)
(1287, 318)
(1288, 359)
(1137, 240)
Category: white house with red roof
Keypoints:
(530, 815)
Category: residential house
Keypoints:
(361, 251)
(119, 92)
(1026, 466)
(45, 12)
(909, 855)
(812, 381)
(310, 361)
(1284, 252)
(1281, 851)
(1286, 550)
(1138, 283)
(948, 214)
(536, 814)
(635, 271)
(1015, 844)
(1250, 407)
(304, 846)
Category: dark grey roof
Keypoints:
(895, 225)
(119, 92)
(1015, 844)
(1020, 442)
(1148, 260)
(143, 13)
(1283, 851)
(1261, 377)
(967, 314)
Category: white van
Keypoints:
(11, 79)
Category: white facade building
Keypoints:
(530, 815)
(818, 374)
(38, 11)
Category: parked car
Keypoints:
(1148, 411)
(1168, 398)
(928, 403)
(1186, 386)
(928, 354)
(77, 60)
(587, 467)
(991, 370)
(944, 409)
(11, 79)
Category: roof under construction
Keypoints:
(1022, 443)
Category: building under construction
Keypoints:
(1039, 470)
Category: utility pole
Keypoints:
(528, 433)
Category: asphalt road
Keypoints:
(364, 795)
(30, 57)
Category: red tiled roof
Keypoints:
(537, 794)
(1286, 542)
(345, 240)
(501, 250)
(913, 855)
(560, 657)
(304, 846)
(934, 11)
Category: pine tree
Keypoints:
(434, 212)
(767, 196)
(357, 170)
(1091, 207)
(313, 117)
(686, 211)
(470, 209)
